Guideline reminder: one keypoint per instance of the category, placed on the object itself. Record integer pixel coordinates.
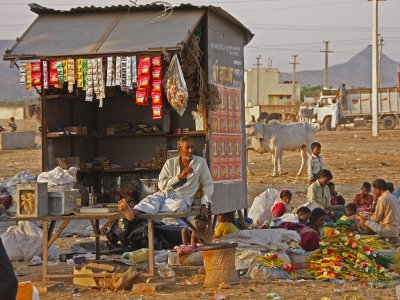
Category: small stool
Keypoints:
(219, 261)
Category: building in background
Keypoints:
(271, 91)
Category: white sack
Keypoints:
(260, 211)
(59, 179)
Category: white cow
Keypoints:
(276, 137)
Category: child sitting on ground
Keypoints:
(226, 225)
(201, 225)
(364, 200)
(336, 198)
(304, 214)
(351, 213)
(282, 204)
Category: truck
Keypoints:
(358, 107)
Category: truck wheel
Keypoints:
(389, 122)
(328, 123)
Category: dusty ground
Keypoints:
(353, 156)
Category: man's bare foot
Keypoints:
(126, 209)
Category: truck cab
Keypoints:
(324, 108)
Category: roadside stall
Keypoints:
(120, 84)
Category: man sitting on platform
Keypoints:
(179, 180)
(386, 219)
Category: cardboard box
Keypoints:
(62, 202)
(32, 199)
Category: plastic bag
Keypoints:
(260, 211)
(175, 86)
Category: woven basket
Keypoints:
(220, 266)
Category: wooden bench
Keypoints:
(49, 237)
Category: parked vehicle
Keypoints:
(358, 106)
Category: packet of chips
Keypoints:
(28, 80)
(144, 81)
(45, 75)
(141, 97)
(157, 112)
(79, 73)
(22, 73)
(35, 67)
(156, 61)
(144, 68)
(156, 73)
(156, 98)
(118, 70)
(145, 59)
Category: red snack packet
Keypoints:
(156, 98)
(53, 65)
(156, 73)
(35, 67)
(53, 78)
(144, 68)
(156, 85)
(141, 98)
(156, 61)
(144, 81)
(157, 112)
(145, 59)
(36, 79)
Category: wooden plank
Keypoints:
(45, 248)
(51, 227)
(105, 226)
(50, 276)
(114, 216)
(150, 228)
(58, 232)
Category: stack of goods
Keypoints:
(347, 255)
(106, 165)
(149, 83)
(155, 163)
(272, 260)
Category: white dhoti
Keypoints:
(161, 203)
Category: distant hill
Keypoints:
(10, 88)
(354, 73)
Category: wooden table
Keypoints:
(49, 223)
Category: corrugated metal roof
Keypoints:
(108, 30)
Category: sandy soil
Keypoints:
(353, 156)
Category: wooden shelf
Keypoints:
(193, 133)
(134, 170)
(161, 133)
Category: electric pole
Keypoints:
(294, 63)
(258, 78)
(326, 51)
(374, 94)
(380, 45)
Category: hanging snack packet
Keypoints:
(35, 67)
(156, 98)
(144, 68)
(110, 71)
(53, 78)
(71, 74)
(128, 73)
(145, 59)
(144, 81)
(36, 79)
(123, 74)
(134, 71)
(60, 72)
(45, 75)
(175, 86)
(118, 70)
(53, 65)
(65, 69)
(157, 112)
(22, 73)
(156, 61)
(141, 97)
(84, 73)
(156, 73)
(89, 84)
(156, 86)
(28, 81)
(79, 73)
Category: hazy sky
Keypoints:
(281, 27)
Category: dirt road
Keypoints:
(352, 156)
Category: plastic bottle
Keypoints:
(137, 256)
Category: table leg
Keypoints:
(151, 246)
(45, 259)
(97, 235)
